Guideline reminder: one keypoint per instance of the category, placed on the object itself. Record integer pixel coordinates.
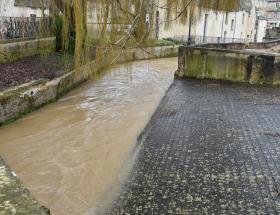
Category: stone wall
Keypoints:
(22, 99)
(240, 46)
(229, 46)
(10, 52)
(238, 66)
(264, 45)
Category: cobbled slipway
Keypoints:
(210, 148)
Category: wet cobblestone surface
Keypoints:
(210, 148)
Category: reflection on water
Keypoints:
(72, 154)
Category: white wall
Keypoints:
(261, 31)
(7, 9)
(216, 25)
(176, 28)
(273, 14)
(243, 25)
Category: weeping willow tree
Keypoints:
(122, 24)
(138, 15)
(111, 15)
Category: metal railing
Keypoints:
(24, 27)
(270, 39)
(205, 39)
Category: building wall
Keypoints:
(261, 30)
(273, 13)
(8, 9)
(95, 19)
(176, 28)
(239, 25)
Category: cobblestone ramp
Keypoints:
(210, 148)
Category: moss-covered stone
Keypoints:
(14, 51)
(236, 66)
(14, 198)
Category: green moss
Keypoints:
(25, 112)
(164, 43)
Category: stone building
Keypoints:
(242, 25)
(273, 13)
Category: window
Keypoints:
(225, 36)
(243, 18)
(226, 18)
(277, 5)
(232, 24)
(157, 14)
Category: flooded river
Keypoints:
(73, 154)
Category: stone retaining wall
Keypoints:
(22, 99)
(240, 46)
(264, 45)
(229, 46)
(10, 52)
(238, 66)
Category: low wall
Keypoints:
(10, 52)
(229, 46)
(240, 46)
(22, 99)
(264, 45)
(238, 66)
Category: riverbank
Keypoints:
(14, 197)
(73, 154)
(18, 101)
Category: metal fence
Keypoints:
(203, 39)
(24, 27)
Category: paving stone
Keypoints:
(210, 148)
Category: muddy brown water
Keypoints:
(74, 154)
